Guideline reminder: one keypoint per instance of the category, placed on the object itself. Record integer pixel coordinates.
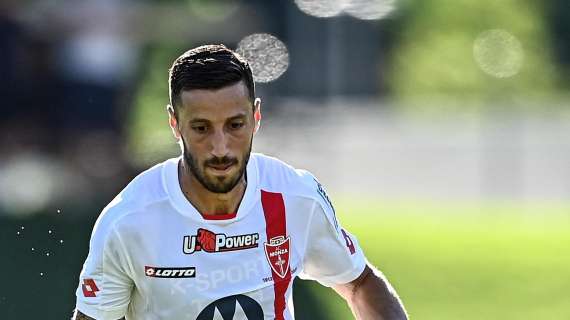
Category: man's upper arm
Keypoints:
(332, 255)
(105, 283)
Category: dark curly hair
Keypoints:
(211, 66)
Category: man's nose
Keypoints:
(219, 143)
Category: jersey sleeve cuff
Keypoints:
(100, 314)
(345, 277)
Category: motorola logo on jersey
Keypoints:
(233, 307)
(209, 241)
(159, 272)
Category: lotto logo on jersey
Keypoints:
(158, 272)
(208, 241)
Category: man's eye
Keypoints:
(236, 125)
(200, 129)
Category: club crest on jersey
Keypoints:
(209, 241)
(277, 253)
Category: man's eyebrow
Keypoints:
(194, 120)
(238, 116)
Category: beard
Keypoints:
(216, 184)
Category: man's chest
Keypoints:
(183, 267)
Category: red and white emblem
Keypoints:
(277, 253)
(89, 288)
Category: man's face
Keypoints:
(216, 128)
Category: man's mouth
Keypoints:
(221, 167)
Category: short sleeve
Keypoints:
(332, 255)
(104, 283)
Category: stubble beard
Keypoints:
(211, 183)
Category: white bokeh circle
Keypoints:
(498, 53)
(321, 8)
(369, 9)
(267, 56)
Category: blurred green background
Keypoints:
(439, 127)
(460, 261)
(447, 261)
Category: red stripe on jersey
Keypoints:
(275, 226)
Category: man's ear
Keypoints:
(173, 122)
(257, 114)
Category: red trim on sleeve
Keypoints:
(275, 222)
(349, 243)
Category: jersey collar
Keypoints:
(182, 205)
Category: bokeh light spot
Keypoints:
(267, 56)
(498, 53)
(370, 9)
(321, 8)
(28, 184)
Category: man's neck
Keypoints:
(205, 201)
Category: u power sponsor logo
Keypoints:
(162, 272)
(206, 240)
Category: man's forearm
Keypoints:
(372, 297)
(77, 315)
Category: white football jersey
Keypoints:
(152, 255)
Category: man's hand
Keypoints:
(77, 315)
(370, 296)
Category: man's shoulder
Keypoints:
(276, 175)
(299, 184)
(149, 184)
(146, 189)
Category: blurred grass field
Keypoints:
(463, 261)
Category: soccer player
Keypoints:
(220, 232)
